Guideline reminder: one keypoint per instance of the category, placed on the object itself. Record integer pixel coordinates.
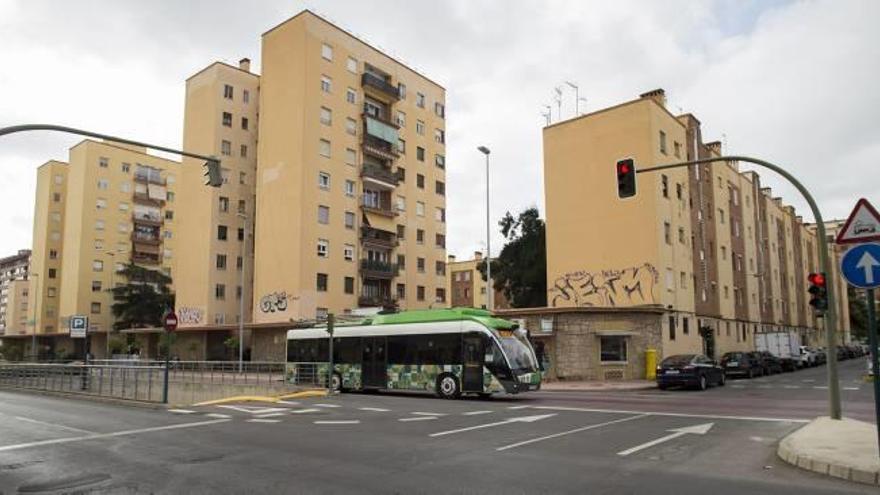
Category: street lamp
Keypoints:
(112, 254)
(36, 297)
(484, 150)
(241, 296)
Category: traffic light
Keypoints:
(213, 174)
(626, 178)
(818, 292)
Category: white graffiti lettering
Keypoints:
(190, 315)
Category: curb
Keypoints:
(787, 454)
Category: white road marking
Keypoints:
(302, 411)
(851, 388)
(254, 410)
(670, 414)
(218, 415)
(339, 422)
(181, 411)
(676, 432)
(809, 381)
(419, 413)
(327, 405)
(521, 419)
(792, 386)
(474, 413)
(271, 415)
(97, 436)
(258, 420)
(374, 409)
(55, 425)
(821, 388)
(569, 432)
(288, 402)
(418, 418)
(518, 407)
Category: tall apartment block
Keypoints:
(220, 119)
(714, 247)
(14, 292)
(351, 186)
(109, 205)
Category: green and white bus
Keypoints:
(447, 351)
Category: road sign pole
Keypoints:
(167, 364)
(872, 341)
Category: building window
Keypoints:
(420, 181)
(420, 128)
(440, 268)
(401, 146)
(96, 308)
(227, 119)
(440, 136)
(323, 214)
(246, 96)
(352, 65)
(221, 261)
(101, 203)
(667, 232)
(420, 265)
(220, 292)
(351, 96)
(53, 272)
(401, 261)
(420, 293)
(123, 206)
(612, 348)
(401, 89)
(324, 148)
(664, 185)
(440, 295)
(349, 188)
(103, 184)
(53, 254)
(242, 206)
(99, 225)
(227, 91)
(348, 252)
(401, 119)
(96, 286)
(420, 208)
(440, 161)
(351, 126)
(420, 100)
(683, 281)
(440, 187)
(103, 162)
(440, 240)
(350, 156)
(723, 252)
(126, 168)
(321, 282)
(401, 291)
(420, 236)
(349, 220)
(420, 153)
(323, 248)
(326, 116)
(401, 232)
(225, 147)
(440, 215)
(671, 327)
(242, 178)
(222, 232)
(224, 204)
(244, 123)
(326, 51)
(97, 266)
(56, 197)
(324, 180)
(349, 285)
(670, 279)
(676, 146)
(240, 234)
(662, 142)
(326, 84)
(439, 110)
(239, 263)
(681, 235)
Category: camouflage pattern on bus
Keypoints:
(418, 377)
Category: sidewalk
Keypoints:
(588, 386)
(844, 449)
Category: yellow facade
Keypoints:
(466, 286)
(17, 309)
(351, 178)
(48, 241)
(709, 244)
(220, 119)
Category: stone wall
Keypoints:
(269, 345)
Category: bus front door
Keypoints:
(374, 371)
(472, 379)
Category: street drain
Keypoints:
(64, 483)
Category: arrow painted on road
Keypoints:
(521, 419)
(677, 432)
(867, 263)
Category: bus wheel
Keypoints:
(336, 382)
(447, 387)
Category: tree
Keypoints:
(520, 271)
(143, 300)
(858, 313)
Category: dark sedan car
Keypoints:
(769, 362)
(741, 364)
(689, 370)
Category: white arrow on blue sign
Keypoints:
(860, 266)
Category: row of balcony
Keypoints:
(147, 219)
(149, 178)
(370, 300)
(382, 85)
(379, 238)
(378, 269)
(384, 175)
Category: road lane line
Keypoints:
(258, 420)
(676, 432)
(44, 423)
(569, 432)
(809, 381)
(327, 405)
(851, 388)
(418, 418)
(339, 422)
(98, 436)
(474, 413)
(792, 386)
(521, 419)
(419, 413)
(218, 415)
(374, 409)
(288, 402)
(302, 411)
(181, 411)
(518, 407)
(821, 387)
(671, 414)
(271, 415)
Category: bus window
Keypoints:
(347, 350)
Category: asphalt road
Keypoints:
(675, 442)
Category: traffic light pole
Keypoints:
(824, 262)
(872, 341)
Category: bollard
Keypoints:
(650, 364)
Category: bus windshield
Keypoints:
(519, 353)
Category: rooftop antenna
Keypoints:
(558, 91)
(583, 100)
(577, 98)
(549, 113)
(546, 115)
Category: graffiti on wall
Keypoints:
(275, 301)
(190, 316)
(634, 285)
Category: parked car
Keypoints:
(771, 363)
(741, 364)
(808, 357)
(689, 370)
(842, 355)
(821, 356)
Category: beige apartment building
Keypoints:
(466, 286)
(13, 290)
(351, 184)
(710, 245)
(110, 205)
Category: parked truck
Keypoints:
(784, 345)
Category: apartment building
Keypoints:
(220, 119)
(717, 250)
(111, 204)
(467, 289)
(351, 185)
(13, 290)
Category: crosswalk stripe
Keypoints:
(474, 413)
(218, 415)
(419, 413)
(374, 409)
(257, 420)
(338, 422)
(418, 418)
(301, 411)
(270, 415)
(850, 388)
(181, 411)
(327, 405)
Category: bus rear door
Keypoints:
(375, 373)
(473, 349)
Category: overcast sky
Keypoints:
(794, 82)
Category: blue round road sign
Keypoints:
(860, 266)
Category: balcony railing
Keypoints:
(379, 238)
(373, 81)
(144, 198)
(378, 269)
(145, 238)
(146, 219)
(375, 301)
(146, 258)
(380, 173)
(149, 179)
(384, 210)
(380, 147)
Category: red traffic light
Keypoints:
(817, 279)
(623, 168)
